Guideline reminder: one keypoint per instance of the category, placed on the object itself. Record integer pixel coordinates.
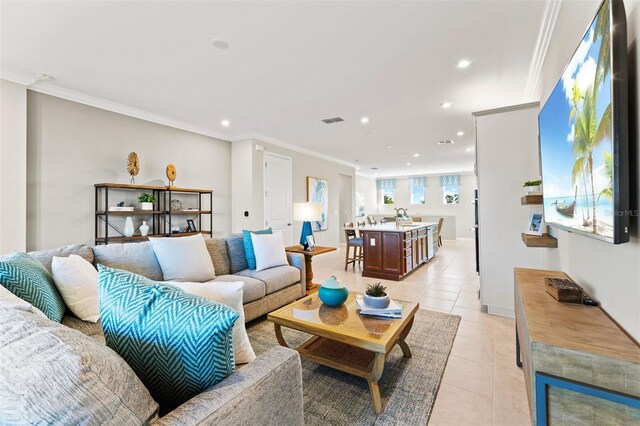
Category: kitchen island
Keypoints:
(393, 251)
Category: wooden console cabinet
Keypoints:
(579, 366)
(391, 252)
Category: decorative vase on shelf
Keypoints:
(333, 292)
(144, 228)
(128, 227)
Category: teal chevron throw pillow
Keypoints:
(178, 344)
(248, 246)
(25, 277)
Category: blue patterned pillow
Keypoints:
(25, 277)
(248, 246)
(178, 344)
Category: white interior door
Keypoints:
(278, 188)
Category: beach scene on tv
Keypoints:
(575, 138)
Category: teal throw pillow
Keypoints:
(25, 277)
(179, 345)
(248, 246)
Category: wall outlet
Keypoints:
(372, 242)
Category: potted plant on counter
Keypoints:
(376, 297)
(146, 201)
(533, 186)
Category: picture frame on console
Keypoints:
(191, 226)
(311, 242)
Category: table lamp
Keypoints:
(306, 213)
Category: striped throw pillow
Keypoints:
(178, 344)
(25, 277)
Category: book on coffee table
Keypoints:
(394, 310)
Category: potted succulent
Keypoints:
(533, 185)
(376, 297)
(146, 201)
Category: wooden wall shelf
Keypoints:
(531, 200)
(545, 241)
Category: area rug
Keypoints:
(408, 386)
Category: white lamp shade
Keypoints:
(307, 212)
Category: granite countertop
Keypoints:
(392, 227)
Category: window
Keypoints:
(359, 204)
(451, 194)
(417, 195)
(387, 195)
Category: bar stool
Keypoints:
(371, 220)
(352, 241)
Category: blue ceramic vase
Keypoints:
(332, 292)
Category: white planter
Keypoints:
(533, 188)
(146, 206)
(377, 302)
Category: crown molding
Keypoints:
(282, 144)
(547, 26)
(51, 89)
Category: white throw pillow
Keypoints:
(230, 294)
(269, 250)
(77, 282)
(184, 259)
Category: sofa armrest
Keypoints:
(297, 260)
(267, 391)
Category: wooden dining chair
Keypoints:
(440, 231)
(352, 241)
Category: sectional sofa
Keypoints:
(266, 391)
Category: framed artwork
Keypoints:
(311, 242)
(318, 192)
(535, 224)
(191, 226)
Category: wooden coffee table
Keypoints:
(344, 340)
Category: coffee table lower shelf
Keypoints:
(349, 359)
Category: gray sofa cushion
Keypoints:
(217, 248)
(275, 278)
(235, 249)
(51, 374)
(46, 256)
(91, 329)
(138, 258)
(253, 289)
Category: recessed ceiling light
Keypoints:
(408, 164)
(225, 123)
(416, 155)
(364, 120)
(357, 168)
(388, 146)
(460, 133)
(469, 149)
(463, 63)
(446, 105)
(220, 44)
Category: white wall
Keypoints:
(71, 146)
(13, 166)
(610, 273)
(303, 165)
(367, 187)
(507, 156)
(463, 212)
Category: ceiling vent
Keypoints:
(333, 120)
(374, 168)
(447, 142)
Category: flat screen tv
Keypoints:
(584, 135)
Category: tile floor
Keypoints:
(481, 383)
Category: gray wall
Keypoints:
(610, 273)
(251, 187)
(72, 146)
(13, 169)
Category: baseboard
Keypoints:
(501, 311)
(465, 239)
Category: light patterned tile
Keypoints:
(473, 376)
(456, 406)
(447, 295)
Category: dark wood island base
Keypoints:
(393, 251)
